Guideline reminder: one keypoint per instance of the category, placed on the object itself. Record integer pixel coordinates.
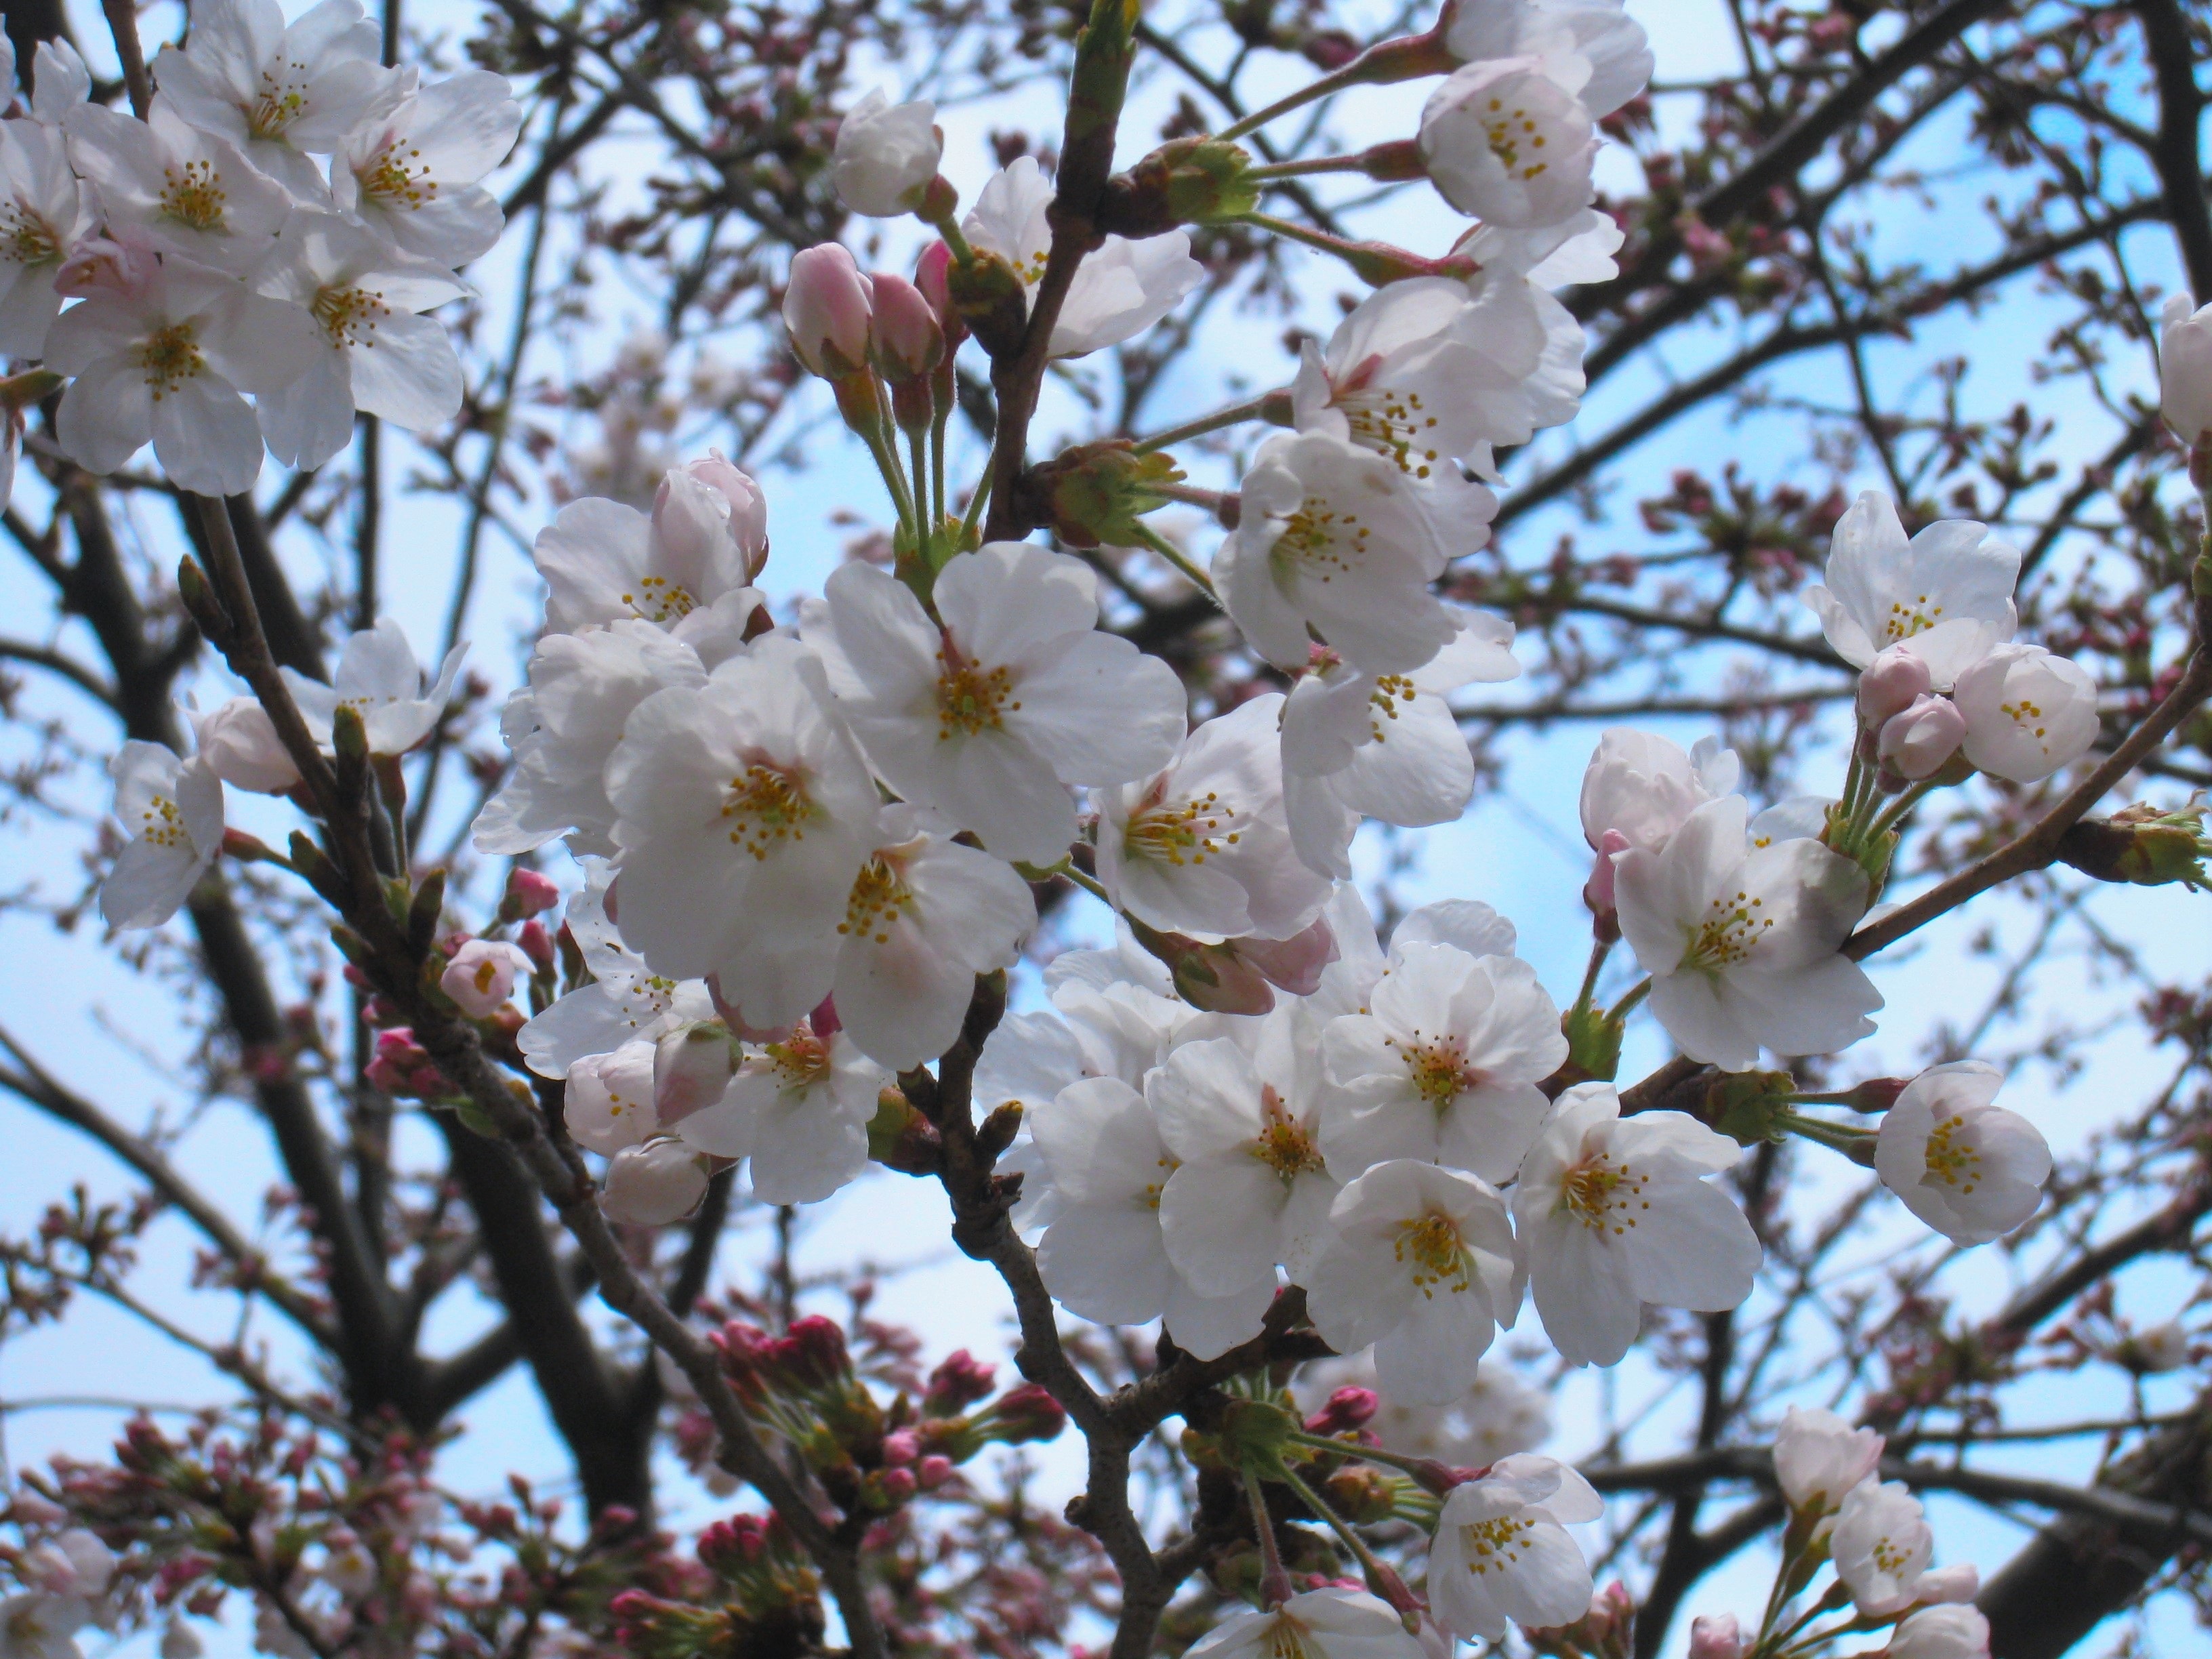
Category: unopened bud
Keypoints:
(1597, 892)
(1349, 1408)
(691, 1067)
(1916, 743)
(530, 893)
(1186, 181)
(906, 340)
(959, 1381)
(933, 1471)
(1876, 1094)
(481, 976)
(1096, 493)
(652, 1185)
(1892, 683)
(1024, 1412)
(2140, 845)
(1362, 1494)
(537, 945)
(827, 308)
(1716, 1636)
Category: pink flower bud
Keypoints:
(1597, 892)
(1915, 744)
(124, 267)
(1716, 1636)
(905, 334)
(652, 1185)
(932, 276)
(958, 1383)
(530, 893)
(32, 1509)
(706, 505)
(933, 1472)
(827, 309)
(823, 1020)
(901, 1446)
(537, 945)
(482, 976)
(1959, 1582)
(896, 1486)
(691, 1066)
(1294, 965)
(1348, 1408)
(1890, 683)
(1025, 1412)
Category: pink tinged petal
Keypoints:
(1007, 601)
(806, 1152)
(591, 555)
(1706, 1026)
(1063, 692)
(1817, 1010)
(1321, 826)
(1693, 1248)
(1584, 1292)
(996, 785)
(1430, 1359)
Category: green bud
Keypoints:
(901, 1139)
(1095, 494)
(1592, 1045)
(988, 296)
(1749, 1107)
(423, 910)
(2140, 845)
(200, 603)
(1255, 1431)
(1188, 181)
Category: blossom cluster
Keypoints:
(275, 227)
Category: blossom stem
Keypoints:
(1894, 812)
(1334, 81)
(949, 228)
(1274, 1578)
(1167, 550)
(1309, 166)
(1635, 994)
(1380, 1577)
(976, 503)
(937, 471)
(924, 521)
(1857, 1145)
(1601, 948)
(1425, 1469)
(1255, 409)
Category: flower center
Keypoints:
(1495, 1546)
(399, 179)
(281, 102)
(1604, 1196)
(26, 239)
(1437, 1070)
(1288, 1640)
(1952, 1159)
(163, 824)
(879, 897)
(1724, 939)
(349, 315)
(969, 697)
(170, 356)
(1150, 1197)
(767, 807)
(1321, 540)
(1889, 1556)
(663, 600)
(1179, 835)
(194, 196)
(1907, 620)
(1283, 1145)
(2024, 713)
(1392, 423)
(1511, 132)
(1432, 1248)
(801, 1059)
(1390, 690)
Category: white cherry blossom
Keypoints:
(1882, 1546)
(39, 1625)
(1103, 1256)
(609, 1100)
(379, 680)
(172, 810)
(1330, 1623)
(161, 355)
(1743, 943)
(2027, 711)
(798, 1107)
(653, 1183)
(990, 717)
(482, 976)
(281, 92)
(1819, 1457)
(1611, 43)
(745, 812)
(238, 742)
(1507, 142)
(1945, 1631)
(686, 568)
(59, 82)
(188, 191)
(378, 354)
(1444, 1066)
(1645, 787)
(625, 1002)
(887, 154)
(1948, 590)
(1501, 1552)
(1614, 1212)
(410, 173)
(45, 212)
(1252, 1188)
(1332, 537)
(1384, 746)
(1970, 1168)
(1203, 847)
(1121, 290)
(2185, 369)
(1420, 1261)
(564, 725)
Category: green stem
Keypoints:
(949, 228)
(1234, 415)
(1378, 1575)
(1274, 1579)
(1334, 81)
(1294, 232)
(917, 442)
(1890, 815)
(937, 467)
(974, 515)
(1836, 1137)
(1636, 994)
(1600, 950)
(1309, 166)
(1167, 550)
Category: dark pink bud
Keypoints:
(1347, 1409)
(933, 1472)
(1597, 892)
(1890, 683)
(901, 1447)
(958, 1384)
(1294, 965)
(1027, 1411)
(537, 945)
(531, 893)
(905, 334)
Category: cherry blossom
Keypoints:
(379, 680)
(45, 212)
(827, 307)
(238, 742)
(1444, 1066)
(2185, 368)
(1612, 44)
(1333, 536)
(1819, 1457)
(1103, 1256)
(39, 1625)
(1946, 1631)
(609, 1100)
(188, 191)
(887, 154)
(1917, 741)
(989, 713)
(1968, 1167)
(745, 812)
(379, 355)
(1252, 1188)
(564, 725)
(1505, 140)
(1121, 290)
(625, 1002)
(1203, 847)
(1420, 1261)
(60, 82)
(1329, 1623)
(282, 93)
(1882, 1546)
(1948, 590)
(1644, 787)
(482, 975)
(1742, 943)
(798, 1107)
(1614, 1212)
(2027, 712)
(1502, 1551)
(1384, 746)
(653, 1183)
(410, 173)
(162, 357)
(687, 568)
(172, 810)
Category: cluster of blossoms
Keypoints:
(275, 227)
